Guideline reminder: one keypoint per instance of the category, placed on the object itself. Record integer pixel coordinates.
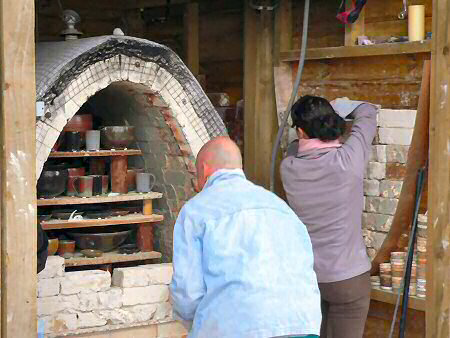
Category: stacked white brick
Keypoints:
(93, 300)
(385, 173)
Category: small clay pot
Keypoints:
(66, 248)
(386, 281)
(53, 244)
(52, 183)
(131, 178)
(398, 255)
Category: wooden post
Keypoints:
(352, 31)
(119, 167)
(438, 269)
(283, 29)
(191, 37)
(18, 169)
(250, 56)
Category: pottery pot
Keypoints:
(66, 248)
(131, 178)
(82, 123)
(117, 137)
(73, 141)
(52, 183)
(105, 239)
(53, 244)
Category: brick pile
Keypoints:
(93, 300)
(385, 173)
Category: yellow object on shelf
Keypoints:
(416, 23)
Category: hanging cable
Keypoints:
(285, 117)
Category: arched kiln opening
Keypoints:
(123, 80)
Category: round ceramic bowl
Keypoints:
(105, 239)
(52, 183)
(117, 137)
(81, 122)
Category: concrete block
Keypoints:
(70, 303)
(130, 277)
(145, 295)
(90, 319)
(381, 205)
(373, 239)
(48, 305)
(48, 287)
(159, 273)
(400, 136)
(85, 282)
(371, 187)
(390, 189)
(129, 315)
(376, 170)
(110, 299)
(163, 312)
(371, 252)
(378, 154)
(397, 153)
(60, 323)
(54, 267)
(377, 222)
(171, 330)
(390, 118)
(395, 171)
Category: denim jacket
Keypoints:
(243, 264)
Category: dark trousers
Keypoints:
(345, 305)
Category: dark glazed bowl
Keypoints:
(117, 137)
(105, 239)
(52, 183)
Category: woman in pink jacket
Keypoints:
(323, 180)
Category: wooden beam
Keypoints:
(17, 158)
(352, 31)
(250, 69)
(118, 4)
(359, 51)
(438, 267)
(191, 22)
(283, 29)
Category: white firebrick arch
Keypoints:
(68, 73)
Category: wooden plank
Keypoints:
(360, 51)
(390, 297)
(352, 31)
(128, 219)
(417, 157)
(67, 200)
(191, 37)
(100, 153)
(283, 29)
(250, 70)
(438, 276)
(112, 257)
(17, 158)
(379, 319)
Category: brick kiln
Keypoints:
(121, 81)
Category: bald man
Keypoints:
(243, 262)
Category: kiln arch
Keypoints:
(68, 73)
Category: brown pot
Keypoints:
(66, 248)
(82, 122)
(53, 244)
(131, 178)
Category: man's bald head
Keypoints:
(216, 154)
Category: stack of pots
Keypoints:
(422, 256)
(391, 274)
(386, 276)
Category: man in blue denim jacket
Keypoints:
(243, 261)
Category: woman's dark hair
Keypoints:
(317, 118)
